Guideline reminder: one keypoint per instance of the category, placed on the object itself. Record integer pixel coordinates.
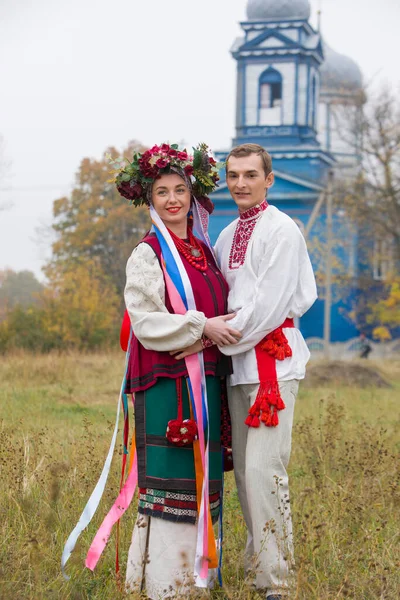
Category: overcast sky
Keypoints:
(81, 75)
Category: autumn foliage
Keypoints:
(82, 304)
(95, 224)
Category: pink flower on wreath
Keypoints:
(172, 153)
(165, 148)
(182, 155)
(189, 170)
(162, 163)
(155, 149)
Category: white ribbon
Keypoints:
(94, 500)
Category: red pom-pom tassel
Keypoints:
(280, 404)
(274, 419)
(181, 433)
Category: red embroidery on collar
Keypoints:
(243, 232)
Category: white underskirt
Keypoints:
(168, 573)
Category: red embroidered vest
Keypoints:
(211, 294)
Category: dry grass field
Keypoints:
(56, 420)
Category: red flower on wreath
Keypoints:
(146, 156)
(162, 163)
(131, 192)
(189, 170)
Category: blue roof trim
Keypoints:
(265, 35)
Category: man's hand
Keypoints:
(220, 332)
(193, 349)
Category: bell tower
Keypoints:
(278, 61)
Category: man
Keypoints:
(264, 259)
(365, 347)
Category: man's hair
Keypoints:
(246, 150)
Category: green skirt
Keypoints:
(161, 464)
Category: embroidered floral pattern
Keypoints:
(243, 232)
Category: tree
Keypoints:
(18, 289)
(94, 224)
(81, 307)
(372, 200)
(385, 314)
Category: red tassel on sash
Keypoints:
(268, 402)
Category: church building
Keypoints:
(290, 84)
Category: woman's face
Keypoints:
(171, 199)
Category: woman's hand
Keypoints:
(193, 349)
(220, 332)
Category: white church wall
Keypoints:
(251, 35)
(270, 116)
(334, 137)
(302, 99)
(288, 71)
(272, 42)
(342, 140)
(292, 34)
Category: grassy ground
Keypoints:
(56, 420)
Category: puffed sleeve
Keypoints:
(152, 324)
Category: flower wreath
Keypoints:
(133, 178)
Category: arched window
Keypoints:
(270, 89)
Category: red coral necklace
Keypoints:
(191, 250)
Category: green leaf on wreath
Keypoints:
(197, 158)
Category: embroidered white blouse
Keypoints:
(275, 282)
(153, 325)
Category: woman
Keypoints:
(168, 268)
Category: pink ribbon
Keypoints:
(194, 370)
(118, 509)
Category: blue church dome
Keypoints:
(262, 10)
(339, 72)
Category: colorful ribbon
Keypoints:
(119, 507)
(94, 500)
(182, 299)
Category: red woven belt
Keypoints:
(268, 401)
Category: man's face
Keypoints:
(246, 180)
